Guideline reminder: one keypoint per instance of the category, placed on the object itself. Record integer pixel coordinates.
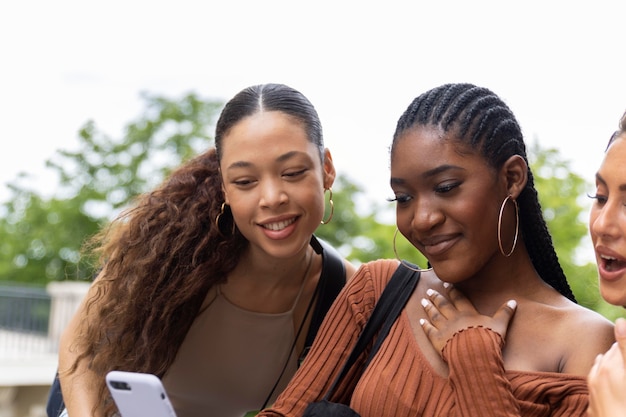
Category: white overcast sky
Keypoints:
(560, 65)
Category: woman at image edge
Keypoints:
(607, 225)
(465, 198)
(208, 281)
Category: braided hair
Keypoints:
(479, 118)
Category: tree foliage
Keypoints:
(560, 191)
(41, 234)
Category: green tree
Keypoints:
(560, 192)
(42, 235)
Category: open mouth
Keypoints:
(611, 264)
(276, 226)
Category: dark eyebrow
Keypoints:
(282, 158)
(601, 180)
(430, 173)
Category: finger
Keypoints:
(594, 369)
(458, 299)
(441, 302)
(613, 355)
(429, 329)
(431, 311)
(504, 315)
(620, 335)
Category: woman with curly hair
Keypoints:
(212, 280)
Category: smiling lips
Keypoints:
(276, 226)
(439, 244)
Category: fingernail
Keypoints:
(446, 285)
(422, 321)
(424, 302)
(430, 292)
(512, 303)
(620, 327)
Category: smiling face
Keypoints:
(447, 202)
(274, 182)
(607, 223)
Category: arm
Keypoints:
(78, 393)
(607, 379)
(338, 333)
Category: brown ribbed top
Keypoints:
(401, 383)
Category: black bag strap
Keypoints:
(391, 302)
(332, 280)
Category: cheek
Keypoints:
(593, 216)
(403, 220)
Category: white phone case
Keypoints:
(139, 395)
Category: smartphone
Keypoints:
(139, 395)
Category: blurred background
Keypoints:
(99, 100)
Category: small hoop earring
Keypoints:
(219, 217)
(332, 206)
(500, 226)
(402, 261)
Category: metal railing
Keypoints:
(24, 321)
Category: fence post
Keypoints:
(65, 299)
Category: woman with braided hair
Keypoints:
(493, 328)
(214, 281)
(607, 226)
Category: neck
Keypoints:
(501, 280)
(259, 270)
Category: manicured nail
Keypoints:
(424, 302)
(620, 327)
(446, 285)
(422, 322)
(430, 292)
(512, 304)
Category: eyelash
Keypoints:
(442, 189)
(295, 174)
(599, 198)
(447, 187)
(243, 183)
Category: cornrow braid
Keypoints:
(480, 119)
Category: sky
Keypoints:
(559, 65)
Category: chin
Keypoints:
(616, 297)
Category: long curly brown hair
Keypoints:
(158, 267)
(160, 258)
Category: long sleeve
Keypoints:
(477, 375)
(336, 338)
(400, 382)
(482, 387)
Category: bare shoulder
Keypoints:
(586, 334)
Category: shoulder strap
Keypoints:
(332, 279)
(391, 302)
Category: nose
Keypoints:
(603, 220)
(273, 194)
(426, 215)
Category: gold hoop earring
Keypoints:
(402, 261)
(219, 217)
(500, 226)
(332, 206)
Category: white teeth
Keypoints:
(279, 225)
(608, 258)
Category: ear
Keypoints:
(515, 172)
(329, 170)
